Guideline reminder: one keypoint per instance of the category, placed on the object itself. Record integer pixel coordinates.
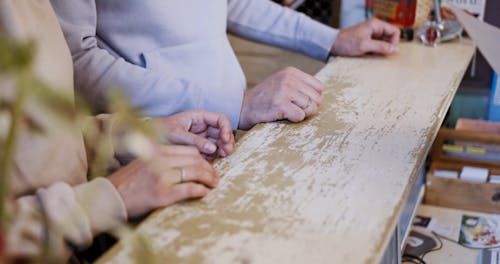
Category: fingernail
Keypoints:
(394, 49)
(209, 147)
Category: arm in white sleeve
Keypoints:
(270, 23)
(97, 71)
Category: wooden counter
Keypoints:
(327, 190)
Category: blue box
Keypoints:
(494, 106)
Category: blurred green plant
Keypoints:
(16, 61)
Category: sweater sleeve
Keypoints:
(60, 215)
(97, 70)
(270, 23)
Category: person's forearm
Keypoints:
(157, 95)
(267, 22)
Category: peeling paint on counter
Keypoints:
(327, 190)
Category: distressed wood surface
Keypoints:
(327, 190)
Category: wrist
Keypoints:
(334, 50)
(244, 122)
(346, 43)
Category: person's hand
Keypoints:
(173, 174)
(210, 132)
(372, 36)
(289, 94)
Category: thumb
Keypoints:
(379, 46)
(202, 144)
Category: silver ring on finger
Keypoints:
(182, 175)
(309, 102)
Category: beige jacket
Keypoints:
(49, 184)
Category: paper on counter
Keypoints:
(486, 36)
(446, 174)
(474, 174)
(440, 228)
(495, 178)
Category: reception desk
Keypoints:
(331, 189)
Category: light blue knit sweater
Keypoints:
(173, 55)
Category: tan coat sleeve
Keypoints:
(53, 204)
(61, 215)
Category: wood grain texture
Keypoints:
(327, 190)
(461, 194)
